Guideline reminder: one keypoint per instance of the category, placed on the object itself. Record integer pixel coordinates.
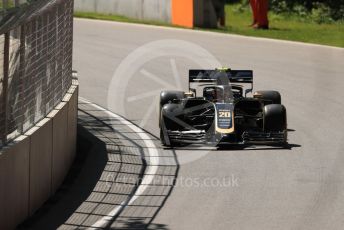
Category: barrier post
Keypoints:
(22, 77)
(183, 13)
(5, 87)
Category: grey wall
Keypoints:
(35, 164)
(157, 10)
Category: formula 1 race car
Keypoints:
(217, 111)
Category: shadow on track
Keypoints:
(88, 194)
(288, 146)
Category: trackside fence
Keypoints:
(35, 63)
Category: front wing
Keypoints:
(247, 137)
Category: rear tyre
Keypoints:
(269, 97)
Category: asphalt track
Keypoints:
(297, 188)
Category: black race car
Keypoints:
(217, 111)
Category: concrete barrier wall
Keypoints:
(157, 10)
(59, 164)
(41, 145)
(35, 164)
(186, 13)
(14, 183)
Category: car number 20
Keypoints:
(224, 114)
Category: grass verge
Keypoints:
(238, 18)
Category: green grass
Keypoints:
(10, 4)
(281, 27)
(284, 27)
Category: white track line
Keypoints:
(151, 169)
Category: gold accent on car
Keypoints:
(189, 94)
(225, 131)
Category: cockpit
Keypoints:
(223, 93)
(220, 94)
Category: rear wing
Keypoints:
(234, 76)
(243, 77)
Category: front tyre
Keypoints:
(162, 139)
(167, 97)
(275, 120)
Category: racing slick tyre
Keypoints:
(270, 97)
(170, 121)
(275, 118)
(162, 139)
(170, 117)
(167, 97)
